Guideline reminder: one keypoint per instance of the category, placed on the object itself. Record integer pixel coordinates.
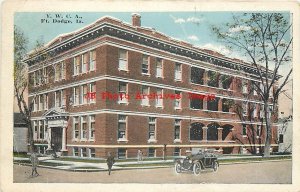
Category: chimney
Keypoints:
(136, 20)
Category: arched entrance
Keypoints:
(196, 131)
(212, 131)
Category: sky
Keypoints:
(193, 27)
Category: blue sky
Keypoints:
(193, 27)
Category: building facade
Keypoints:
(116, 87)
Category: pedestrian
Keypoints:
(34, 161)
(140, 155)
(110, 161)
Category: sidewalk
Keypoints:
(46, 162)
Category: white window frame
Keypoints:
(90, 152)
(178, 100)
(83, 120)
(124, 138)
(90, 100)
(159, 69)
(245, 86)
(92, 62)
(159, 102)
(81, 152)
(146, 64)
(145, 101)
(123, 100)
(74, 151)
(74, 130)
(152, 138)
(84, 65)
(178, 73)
(90, 127)
(177, 123)
(123, 62)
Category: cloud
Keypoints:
(219, 48)
(239, 28)
(193, 38)
(179, 20)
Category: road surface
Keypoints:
(263, 172)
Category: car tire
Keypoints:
(216, 166)
(177, 168)
(197, 168)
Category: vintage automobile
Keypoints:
(197, 162)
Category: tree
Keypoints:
(22, 82)
(264, 38)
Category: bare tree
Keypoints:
(264, 38)
(22, 82)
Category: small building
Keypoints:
(20, 134)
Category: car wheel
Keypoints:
(216, 166)
(177, 167)
(197, 168)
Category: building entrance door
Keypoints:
(56, 138)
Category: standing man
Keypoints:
(34, 161)
(110, 161)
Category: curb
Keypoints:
(131, 168)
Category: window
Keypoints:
(46, 101)
(151, 152)
(63, 98)
(226, 104)
(41, 104)
(145, 91)
(76, 65)
(244, 130)
(92, 153)
(152, 125)
(245, 108)
(35, 104)
(177, 129)
(75, 151)
(122, 127)
(280, 138)
(58, 98)
(83, 128)
(245, 86)
(196, 103)
(41, 129)
(159, 100)
(83, 152)
(35, 127)
(84, 94)
(177, 100)
(63, 70)
(92, 60)
(121, 153)
(226, 81)
(212, 105)
(92, 98)
(45, 75)
(176, 151)
(58, 72)
(123, 59)
(258, 131)
(84, 63)
(76, 93)
(39, 77)
(145, 64)
(76, 127)
(159, 67)
(197, 75)
(213, 79)
(178, 75)
(92, 127)
(122, 92)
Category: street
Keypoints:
(262, 172)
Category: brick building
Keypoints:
(110, 58)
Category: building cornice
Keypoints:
(107, 28)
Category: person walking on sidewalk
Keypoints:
(110, 161)
(140, 156)
(34, 161)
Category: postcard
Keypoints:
(149, 95)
